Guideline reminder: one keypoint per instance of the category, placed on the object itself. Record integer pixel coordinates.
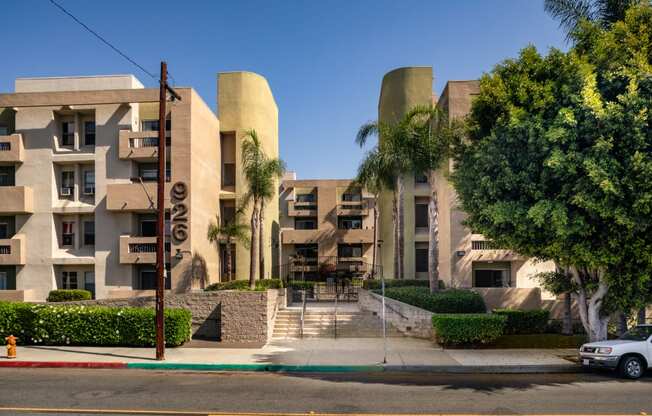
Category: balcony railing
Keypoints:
(16, 200)
(302, 209)
(12, 250)
(138, 145)
(485, 245)
(142, 247)
(353, 208)
(137, 142)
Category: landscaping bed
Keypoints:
(446, 301)
(261, 285)
(91, 325)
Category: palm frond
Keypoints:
(367, 130)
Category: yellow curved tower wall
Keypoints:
(401, 90)
(245, 101)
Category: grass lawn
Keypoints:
(539, 341)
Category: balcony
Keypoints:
(137, 250)
(487, 250)
(353, 208)
(12, 149)
(364, 236)
(137, 196)
(12, 251)
(16, 200)
(349, 265)
(138, 145)
(302, 209)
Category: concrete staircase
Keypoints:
(321, 324)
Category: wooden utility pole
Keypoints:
(164, 88)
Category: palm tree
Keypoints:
(571, 12)
(374, 176)
(261, 173)
(396, 148)
(229, 232)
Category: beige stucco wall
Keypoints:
(245, 101)
(401, 90)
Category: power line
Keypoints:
(106, 42)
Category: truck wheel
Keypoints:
(631, 367)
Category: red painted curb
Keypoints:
(60, 364)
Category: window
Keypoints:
(349, 223)
(307, 251)
(89, 233)
(148, 278)
(496, 274)
(421, 179)
(421, 258)
(228, 174)
(305, 198)
(148, 228)
(89, 282)
(67, 183)
(305, 224)
(4, 131)
(4, 281)
(349, 250)
(69, 280)
(68, 235)
(4, 230)
(350, 197)
(421, 215)
(152, 125)
(7, 227)
(67, 133)
(7, 176)
(228, 214)
(89, 182)
(89, 133)
(148, 172)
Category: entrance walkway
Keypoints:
(321, 321)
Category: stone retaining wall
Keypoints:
(227, 315)
(408, 319)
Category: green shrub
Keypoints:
(524, 322)
(67, 295)
(91, 325)
(555, 327)
(261, 285)
(446, 301)
(376, 283)
(468, 329)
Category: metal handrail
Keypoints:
(337, 295)
(303, 309)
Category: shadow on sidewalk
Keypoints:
(70, 349)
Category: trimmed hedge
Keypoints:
(301, 285)
(468, 329)
(446, 301)
(66, 295)
(91, 325)
(376, 283)
(524, 322)
(261, 285)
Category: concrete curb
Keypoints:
(288, 368)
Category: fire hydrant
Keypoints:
(11, 346)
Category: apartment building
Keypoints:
(78, 182)
(326, 229)
(465, 259)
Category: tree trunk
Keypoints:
(590, 308)
(229, 261)
(433, 235)
(261, 247)
(567, 322)
(401, 226)
(621, 323)
(375, 247)
(253, 252)
(641, 316)
(395, 236)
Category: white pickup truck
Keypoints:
(631, 354)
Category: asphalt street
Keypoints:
(41, 391)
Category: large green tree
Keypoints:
(558, 160)
(571, 13)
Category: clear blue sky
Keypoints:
(323, 59)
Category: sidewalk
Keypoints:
(317, 354)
